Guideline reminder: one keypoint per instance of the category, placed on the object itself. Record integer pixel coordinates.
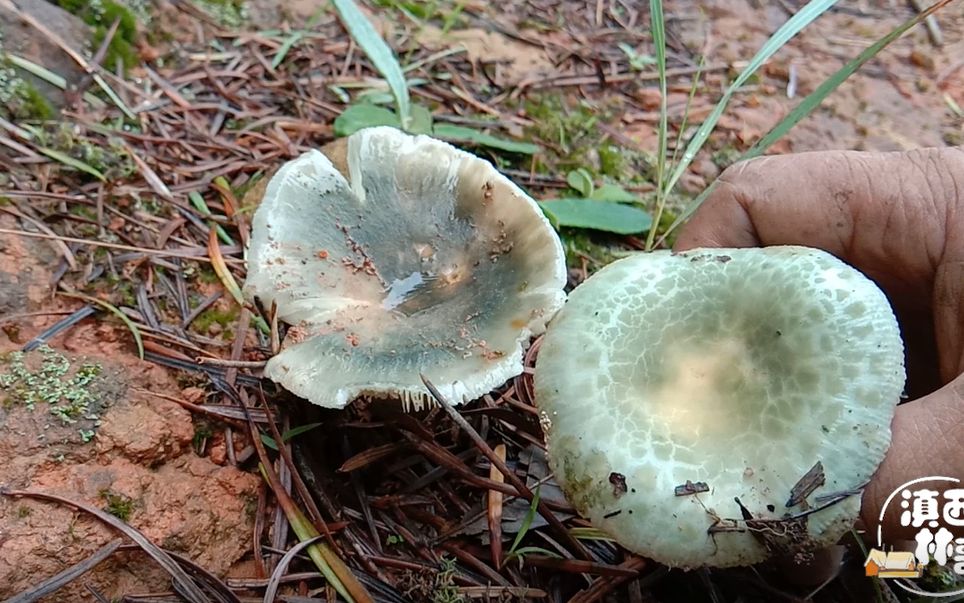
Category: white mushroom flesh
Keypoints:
(423, 259)
(739, 368)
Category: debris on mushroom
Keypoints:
(391, 255)
(720, 385)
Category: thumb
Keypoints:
(723, 219)
(927, 436)
(927, 432)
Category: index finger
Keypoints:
(884, 213)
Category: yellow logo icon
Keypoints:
(895, 564)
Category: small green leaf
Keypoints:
(269, 441)
(532, 550)
(454, 133)
(526, 522)
(295, 431)
(613, 193)
(286, 46)
(421, 120)
(598, 215)
(357, 117)
(580, 181)
(378, 52)
(636, 60)
(374, 96)
(77, 164)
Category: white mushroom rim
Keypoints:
(672, 384)
(412, 256)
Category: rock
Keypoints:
(24, 270)
(148, 431)
(17, 37)
(140, 466)
(128, 451)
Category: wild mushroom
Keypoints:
(394, 254)
(688, 399)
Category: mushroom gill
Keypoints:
(397, 255)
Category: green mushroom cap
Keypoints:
(672, 386)
(396, 255)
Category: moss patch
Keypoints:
(223, 317)
(230, 13)
(19, 99)
(202, 431)
(118, 505)
(53, 381)
(100, 15)
(575, 139)
(109, 157)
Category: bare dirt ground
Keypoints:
(163, 443)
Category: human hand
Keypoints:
(899, 219)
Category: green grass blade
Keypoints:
(296, 431)
(526, 523)
(286, 47)
(590, 534)
(118, 102)
(532, 550)
(77, 164)
(54, 79)
(319, 553)
(686, 110)
(269, 442)
(462, 134)
(378, 52)
(227, 279)
(659, 44)
(808, 104)
(783, 35)
(198, 202)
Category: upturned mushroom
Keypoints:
(390, 255)
(719, 406)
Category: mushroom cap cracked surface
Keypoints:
(737, 368)
(397, 255)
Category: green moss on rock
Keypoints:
(55, 382)
(118, 505)
(19, 99)
(100, 15)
